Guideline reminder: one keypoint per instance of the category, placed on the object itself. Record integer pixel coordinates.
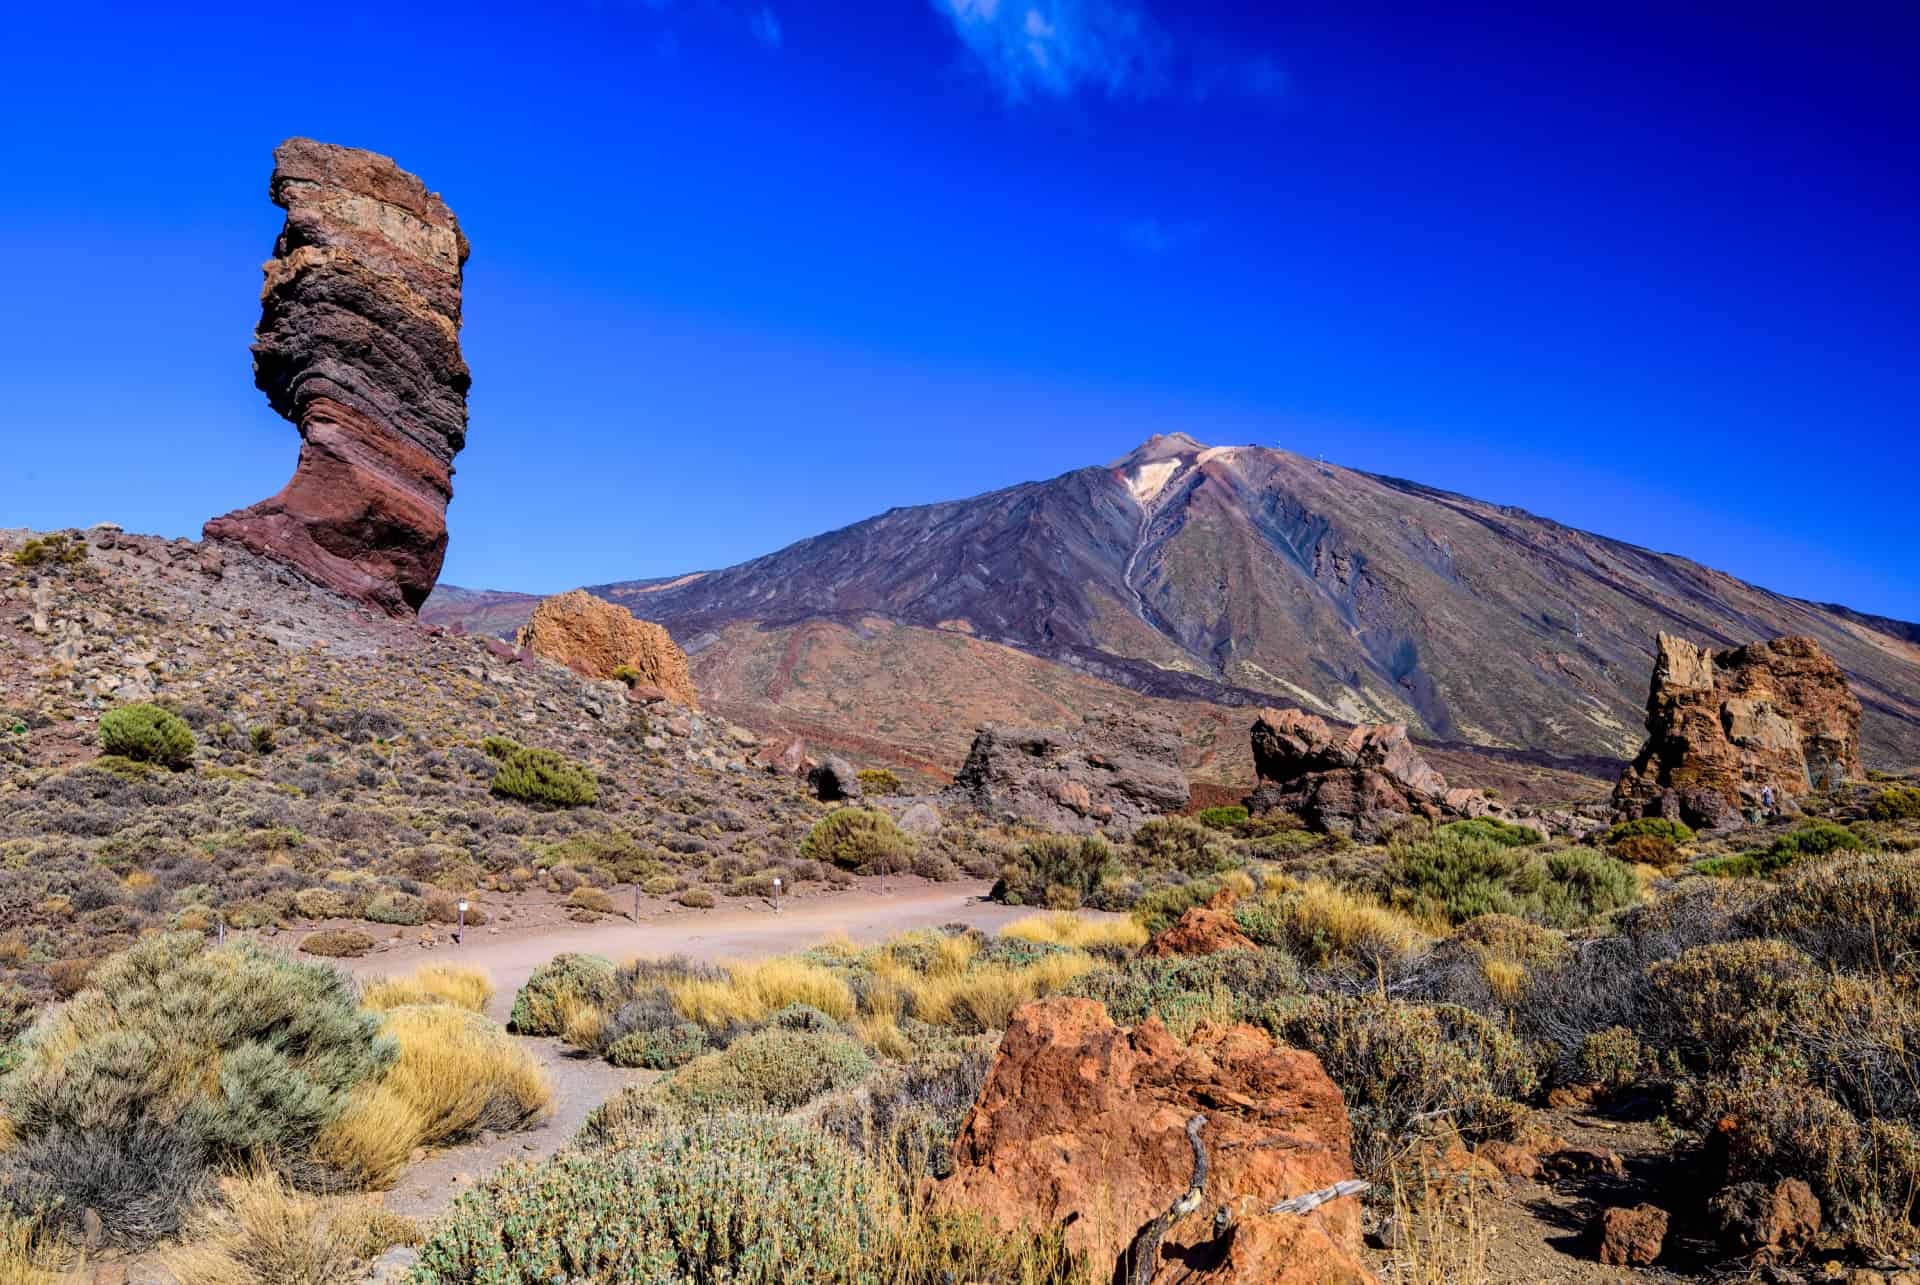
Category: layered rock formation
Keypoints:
(1723, 726)
(359, 345)
(1113, 773)
(1359, 783)
(1082, 1124)
(596, 639)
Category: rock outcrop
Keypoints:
(1358, 783)
(1082, 1125)
(1722, 726)
(359, 345)
(597, 639)
(1113, 773)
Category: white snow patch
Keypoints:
(1148, 480)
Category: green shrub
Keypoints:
(1226, 817)
(878, 780)
(1710, 1004)
(697, 899)
(1820, 839)
(536, 1009)
(147, 734)
(660, 1048)
(539, 776)
(56, 550)
(1613, 1058)
(1461, 875)
(228, 1053)
(1646, 850)
(397, 908)
(1852, 912)
(337, 943)
(738, 1199)
(1183, 992)
(1161, 909)
(1901, 803)
(774, 1069)
(1508, 834)
(1406, 1069)
(623, 857)
(661, 886)
(859, 839)
(1656, 827)
(1077, 865)
(1182, 844)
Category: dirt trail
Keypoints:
(864, 915)
(742, 932)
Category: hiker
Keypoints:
(1766, 802)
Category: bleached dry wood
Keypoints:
(1312, 1200)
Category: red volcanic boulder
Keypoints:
(1082, 1124)
(1630, 1237)
(1769, 1223)
(1360, 782)
(1722, 726)
(359, 345)
(1203, 930)
(597, 639)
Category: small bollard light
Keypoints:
(776, 894)
(461, 930)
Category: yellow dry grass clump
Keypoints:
(1081, 932)
(261, 1232)
(753, 992)
(468, 988)
(1337, 922)
(28, 1256)
(984, 999)
(457, 1074)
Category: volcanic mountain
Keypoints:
(1228, 575)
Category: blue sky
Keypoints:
(746, 271)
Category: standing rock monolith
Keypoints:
(359, 345)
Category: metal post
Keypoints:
(461, 930)
(220, 922)
(636, 903)
(776, 894)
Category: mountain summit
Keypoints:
(1236, 574)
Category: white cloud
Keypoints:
(765, 27)
(1056, 48)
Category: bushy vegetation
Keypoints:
(775, 1068)
(539, 776)
(1898, 803)
(147, 734)
(1816, 840)
(55, 550)
(878, 780)
(1226, 817)
(724, 1198)
(539, 1007)
(112, 1104)
(1457, 875)
(863, 840)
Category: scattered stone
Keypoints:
(921, 820)
(393, 1266)
(1360, 783)
(1767, 1222)
(1723, 726)
(1583, 1162)
(358, 344)
(1630, 1237)
(596, 638)
(1203, 930)
(1114, 773)
(1082, 1124)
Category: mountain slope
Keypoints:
(1236, 574)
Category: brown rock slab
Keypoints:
(594, 638)
(358, 344)
(1723, 726)
(1768, 1222)
(1081, 1124)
